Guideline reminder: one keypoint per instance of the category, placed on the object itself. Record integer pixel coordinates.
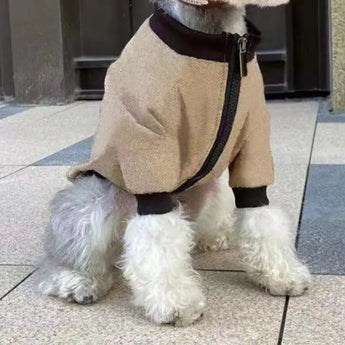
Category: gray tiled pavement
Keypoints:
(331, 118)
(322, 232)
(40, 143)
(9, 110)
(72, 155)
(238, 314)
(317, 318)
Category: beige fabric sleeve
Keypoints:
(253, 166)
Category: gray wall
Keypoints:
(40, 39)
(338, 49)
(6, 68)
(104, 27)
(45, 36)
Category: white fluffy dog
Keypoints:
(93, 221)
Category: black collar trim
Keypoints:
(185, 41)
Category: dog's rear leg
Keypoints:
(211, 206)
(79, 242)
(157, 264)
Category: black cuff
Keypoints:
(251, 197)
(157, 203)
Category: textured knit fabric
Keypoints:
(160, 116)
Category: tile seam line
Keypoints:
(330, 274)
(49, 165)
(283, 321)
(286, 306)
(33, 164)
(14, 287)
(240, 271)
(65, 148)
(47, 116)
(17, 265)
(218, 270)
(14, 172)
(306, 184)
(68, 107)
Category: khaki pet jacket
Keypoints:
(180, 107)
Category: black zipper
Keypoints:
(237, 69)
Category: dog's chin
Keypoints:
(238, 3)
(268, 3)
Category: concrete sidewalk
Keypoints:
(38, 144)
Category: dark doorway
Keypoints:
(294, 55)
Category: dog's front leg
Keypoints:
(157, 264)
(268, 253)
(263, 233)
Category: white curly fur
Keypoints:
(82, 239)
(75, 286)
(214, 224)
(157, 264)
(267, 249)
(88, 222)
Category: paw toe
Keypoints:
(190, 315)
(87, 299)
(214, 244)
(294, 287)
(84, 297)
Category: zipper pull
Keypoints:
(242, 50)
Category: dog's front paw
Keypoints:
(83, 296)
(179, 307)
(179, 315)
(191, 314)
(293, 283)
(268, 252)
(287, 281)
